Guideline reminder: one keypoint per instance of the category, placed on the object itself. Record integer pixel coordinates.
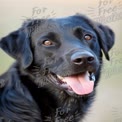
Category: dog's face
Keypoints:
(67, 52)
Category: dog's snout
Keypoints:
(79, 58)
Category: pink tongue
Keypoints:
(80, 83)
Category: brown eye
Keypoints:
(87, 37)
(47, 43)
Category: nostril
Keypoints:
(90, 59)
(78, 60)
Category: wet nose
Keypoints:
(79, 58)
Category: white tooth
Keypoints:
(60, 77)
(88, 73)
(93, 77)
(63, 80)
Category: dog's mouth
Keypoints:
(80, 84)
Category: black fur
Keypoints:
(26, 93)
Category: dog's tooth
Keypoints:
(92, 77)
(88, 73)
(63, 80)
(60, 77)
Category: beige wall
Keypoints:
(108, 104)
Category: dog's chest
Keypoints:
(66, 110)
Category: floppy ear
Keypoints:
(106, 38)
(105, 35)
(17, 45)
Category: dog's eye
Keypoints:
(88, 37)
(47, 42)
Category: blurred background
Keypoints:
(108, 103)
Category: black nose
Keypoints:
(79, 58)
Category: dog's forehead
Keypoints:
(59, 25)
(73, 22)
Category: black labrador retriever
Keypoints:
(57, 68)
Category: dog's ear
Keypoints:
(17, 45)
(106, 38)
(105, 35)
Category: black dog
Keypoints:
(58, 64)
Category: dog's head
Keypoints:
(66, 52)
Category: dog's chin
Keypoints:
(76, 85)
